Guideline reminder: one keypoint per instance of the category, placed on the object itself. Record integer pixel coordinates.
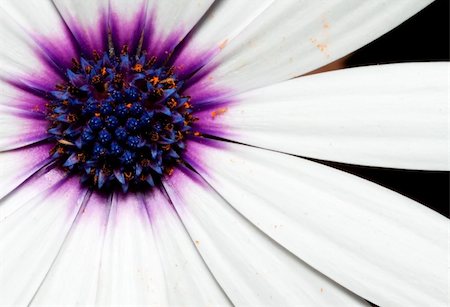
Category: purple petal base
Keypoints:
(129, 33)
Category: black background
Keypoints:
(424, 37)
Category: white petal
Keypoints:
(215, 31)
(18, 165)
(169, 22)
(292, 37)
(380, 245)
(114, 256)
(47, 30)
(22, 61)
(34, 186)
(73, 276)
(31, 236)
(88, 22)
(130, 272)
(252, 269)
(388, 115)
(19, 129)
(188, 282)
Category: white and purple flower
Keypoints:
(150, 154)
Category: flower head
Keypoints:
(147, 156)
(119, 120)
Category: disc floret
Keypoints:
(120, 120)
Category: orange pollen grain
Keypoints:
(128, 176)
(60, 87)
(138, 68)
(96, 79)
(145, 162)
(218, 112)
(81, 157)
(154, 80)
(172, 103)
(96, 55)
(170, 82)
(124, 50)
(223, 44)
(71, 118)
(154, 136)
(170, 171)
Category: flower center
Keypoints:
(120, 120)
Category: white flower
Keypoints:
(241, 220)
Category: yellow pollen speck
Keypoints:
(196, 133)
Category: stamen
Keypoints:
(75, 65)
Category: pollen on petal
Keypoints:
(218, 112)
